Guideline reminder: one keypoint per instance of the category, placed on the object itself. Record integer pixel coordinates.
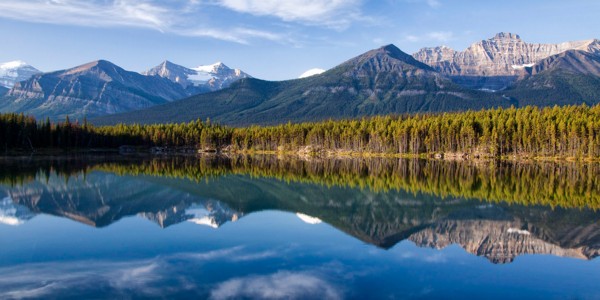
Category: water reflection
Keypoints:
(381, 202)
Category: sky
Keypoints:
(270, 39)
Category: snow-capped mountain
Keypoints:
(311, 72)
(13, 214)
(15, 71)
(206, 78)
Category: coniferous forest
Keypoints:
(569, 131)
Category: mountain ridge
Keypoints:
(380, 81)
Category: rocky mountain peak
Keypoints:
(396, 53)
(97, 66)
(506, 36)
(386, 58)
(495, 63)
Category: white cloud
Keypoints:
(441, 36)
(430, 3)
(140, 277)
(333, 13)
(88, 13)
(434, 3)
(44, 279)
(280, 285)
(129, 13)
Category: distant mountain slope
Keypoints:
(495, 63)
(15, 71)
(381, 81)
(201, 79)
(93, 89)
(573, 61)
(3, 91)
(571, 77)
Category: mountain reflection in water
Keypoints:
(492, 209)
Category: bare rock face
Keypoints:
(496, 62)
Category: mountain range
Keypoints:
(497, 72)
(495, 63)
(101, 87)
(381, 81)
(93, 89)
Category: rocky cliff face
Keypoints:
(94, 89)
(496, 62)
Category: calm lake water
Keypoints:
(267, 227)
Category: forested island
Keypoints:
(568, 132)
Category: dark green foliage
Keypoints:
(23, 132)
(571, 131)
(556, 87)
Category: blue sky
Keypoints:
(269, 39)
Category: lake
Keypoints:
(109, 226)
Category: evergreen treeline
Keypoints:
(570, 131)
(24, 132)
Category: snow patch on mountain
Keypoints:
(311, 72)
(523, 66)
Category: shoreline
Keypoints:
(306, 152)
